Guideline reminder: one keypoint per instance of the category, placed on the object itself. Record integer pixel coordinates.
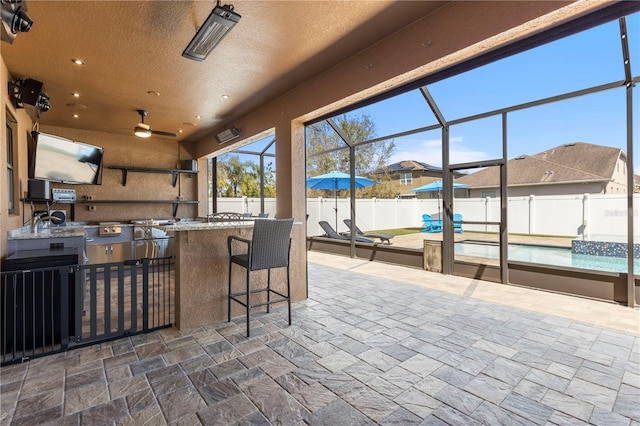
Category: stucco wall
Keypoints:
(125, 150)
(23, 127)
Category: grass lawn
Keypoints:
(395, 231)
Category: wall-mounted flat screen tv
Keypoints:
(62, 160)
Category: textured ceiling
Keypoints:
(131, 48)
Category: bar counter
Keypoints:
(201, 272)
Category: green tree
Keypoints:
(269, 181)
(327, 151)
(242, 178)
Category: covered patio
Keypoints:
(364, 348)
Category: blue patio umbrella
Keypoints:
(336, 181)
(436, 186)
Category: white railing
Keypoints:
(593, 216)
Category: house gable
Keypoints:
(576, 163)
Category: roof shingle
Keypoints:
(576, 162)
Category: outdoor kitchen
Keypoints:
(110, 279)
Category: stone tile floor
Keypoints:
(363, 349)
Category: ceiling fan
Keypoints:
(144, 130)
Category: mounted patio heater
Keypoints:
(227, 135)
(215, 28)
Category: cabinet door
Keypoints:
(144, 248)
(164, 247)
(121, 252)
(98, 253)
(106, 253)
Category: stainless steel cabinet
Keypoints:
(111, 252)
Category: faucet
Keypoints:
(36, 219)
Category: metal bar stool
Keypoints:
(268, 248)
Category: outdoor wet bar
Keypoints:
(201, 271)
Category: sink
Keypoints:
(62, 231)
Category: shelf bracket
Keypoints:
(124, 177)
(174, 179)
(175, 210)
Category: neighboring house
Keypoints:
(409, 174)
(574, 168)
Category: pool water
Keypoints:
(556, 256)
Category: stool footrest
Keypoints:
(234, 297)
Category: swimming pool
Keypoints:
(556, 256)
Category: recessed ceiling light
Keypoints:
(198, 117)
(153, 92)
(75, 116)
(180, 131)
(189, 124)
(225, 96)
(75, 95)
(77, 61)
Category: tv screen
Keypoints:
(62, 160)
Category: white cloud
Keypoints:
(430, 151)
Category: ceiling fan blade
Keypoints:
(161, 133)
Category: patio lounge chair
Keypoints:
(457, 223)
(331, 233)
(384, 238)
(431, 225)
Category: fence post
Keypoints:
(64, 307)
(487, 212)
(145, 294)
(585, 214)
(375, 217)
(320, 208)
(532, 216)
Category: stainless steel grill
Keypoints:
(109, 229)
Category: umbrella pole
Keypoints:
(336, 208)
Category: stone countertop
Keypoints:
(78, 229)
(25, 233)
(207, 226)
(97, 225)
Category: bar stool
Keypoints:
(268, 248)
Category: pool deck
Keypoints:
(374, 344)
(416, 240)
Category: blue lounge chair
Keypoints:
(384, 238)
(457, 223)
(431, 225)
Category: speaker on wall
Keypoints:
(38, 189)
(190, 165)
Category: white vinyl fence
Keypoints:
(593, 216)
(245, 205)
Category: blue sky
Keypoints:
(584, 60)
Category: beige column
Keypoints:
(291, 197)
